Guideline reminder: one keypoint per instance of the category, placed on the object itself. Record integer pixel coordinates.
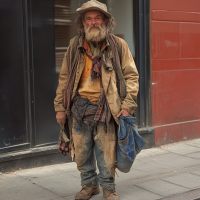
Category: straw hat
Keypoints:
(94, 5)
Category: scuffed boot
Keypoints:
(87, 192)
(110, 194)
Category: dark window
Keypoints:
(12, 76)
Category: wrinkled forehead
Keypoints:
(93, 14)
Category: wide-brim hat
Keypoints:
(94, 5)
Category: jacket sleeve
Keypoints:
(62, 82)
(131, 77)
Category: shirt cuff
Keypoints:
(59, 108)
(130, 110)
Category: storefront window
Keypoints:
(63, 24)
(122, 11)
(13, 127)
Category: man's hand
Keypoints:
(61, 117)
(123, 113)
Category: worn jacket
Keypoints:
(130, 74)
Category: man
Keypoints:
(98, 82)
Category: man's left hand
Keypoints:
(123, 113)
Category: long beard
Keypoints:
(95, 35)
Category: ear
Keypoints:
(83, 22)
(106, 21)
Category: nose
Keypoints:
(93, 22)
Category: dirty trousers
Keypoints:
(102, 147)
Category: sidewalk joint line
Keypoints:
(148, 190)
(175, 184)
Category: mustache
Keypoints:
(95, 25)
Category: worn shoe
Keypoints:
(87, 192)
(110, 194)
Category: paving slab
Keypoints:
(194, 155)
(8, 176)
(150, 166)
(187, 180)
(180, 148)
(196, 173)
(74, 173)
(151, 152)
(62, 184)
(174, 161)
(162, 187)
(39, 172)
(195, 143)
(131, 192)
(133, 174)
(68, 167)
(191, 195)
(16, 188)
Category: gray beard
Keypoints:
(96, 35)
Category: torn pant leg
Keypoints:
(105, 151)
(84, 153)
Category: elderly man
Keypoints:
(98, 82)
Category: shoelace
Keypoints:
(111, 190)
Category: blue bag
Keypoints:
(129, 143)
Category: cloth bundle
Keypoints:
(129, 143)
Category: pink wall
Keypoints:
(175, 54)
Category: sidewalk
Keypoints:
(157, 173)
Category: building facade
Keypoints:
(163, 39)
(175, 57)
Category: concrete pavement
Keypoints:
(170, 172)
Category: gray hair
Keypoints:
(109, 27)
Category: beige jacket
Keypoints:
(130, 74)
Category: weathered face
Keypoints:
(94, 26)
(93, 17)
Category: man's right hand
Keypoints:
(61, 117)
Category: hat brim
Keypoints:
(81, 11)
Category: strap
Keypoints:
(118, 45)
